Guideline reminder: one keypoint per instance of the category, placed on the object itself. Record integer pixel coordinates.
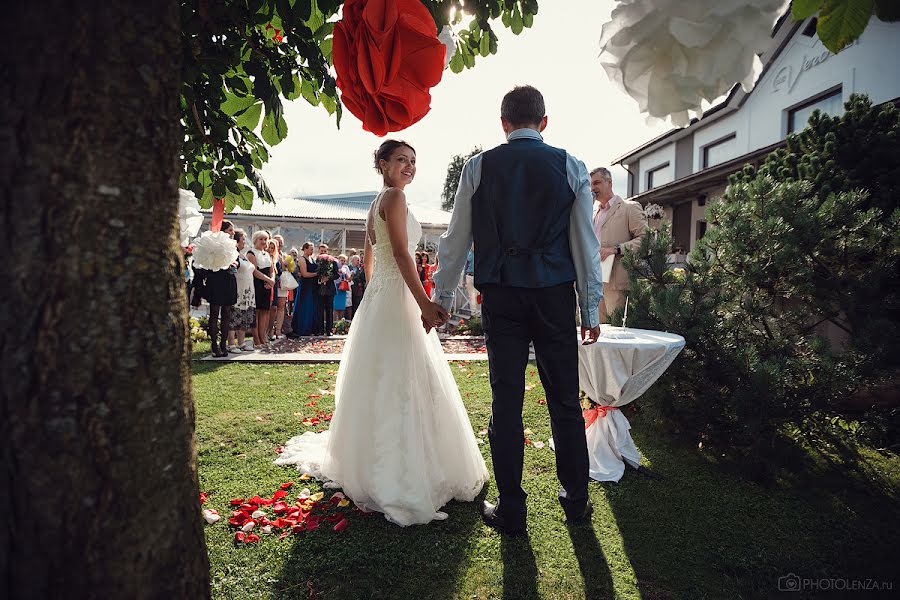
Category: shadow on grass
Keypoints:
(823, 517)
(592, 562)
(374, 559)
(520, 572)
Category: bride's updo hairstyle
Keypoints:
(386, 149)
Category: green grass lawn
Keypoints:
(701, 532)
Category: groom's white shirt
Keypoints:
(583, 242)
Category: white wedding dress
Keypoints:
(400, 440)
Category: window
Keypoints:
(701, 229)
(830, 103)
(719, 151)
(658, 176)
(810, 29)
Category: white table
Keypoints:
(614, 372)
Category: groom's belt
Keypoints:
(517, 251)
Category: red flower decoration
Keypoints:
(387, 57)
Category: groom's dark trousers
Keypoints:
(512, 317)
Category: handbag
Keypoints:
(344, 285)
(287, 281)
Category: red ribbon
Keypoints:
(591, 414)
(218, 214)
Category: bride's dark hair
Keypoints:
(386, 149)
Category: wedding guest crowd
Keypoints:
(269, 294)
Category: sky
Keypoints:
(587, 114)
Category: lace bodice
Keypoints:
(385, 264)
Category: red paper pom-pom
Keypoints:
(387, 57)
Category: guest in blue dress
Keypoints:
(342, 289)
(305, 309)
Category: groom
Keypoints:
(527, 207)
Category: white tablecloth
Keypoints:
(614, 372)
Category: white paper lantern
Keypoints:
(214, 251)
(670, 55)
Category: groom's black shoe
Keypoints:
(491, 518)
(584, 517)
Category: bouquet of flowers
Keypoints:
(325, 271)
(654, 211)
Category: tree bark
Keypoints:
(99, 496)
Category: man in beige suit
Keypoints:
(619, 224)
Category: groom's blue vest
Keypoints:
(520, 217)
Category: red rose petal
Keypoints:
(287, 486)
(341, 525)
(237, 501)
(279, 508)
(239, 536)
(202, 498)
(279, 495)
(251, 538)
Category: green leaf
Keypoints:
(326, 47)
(468, 56)
(528, 20)
(274, 128)
(328, 102)
(235, 104)
(316, 18)
(246, 197)
(517, 23)
(309, 92)
(206, 200)
(485, 46)
(456, 63)
(842, 21)
(296, 87)
(249, 119)
(803, 9)
(230, 201)
(218, 188)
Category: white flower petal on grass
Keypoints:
(538, 445)
(211, 516)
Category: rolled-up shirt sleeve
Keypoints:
(584, 245)
(456, 241)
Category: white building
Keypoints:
(684, 168)
(339, 220)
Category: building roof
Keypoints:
(334, 207)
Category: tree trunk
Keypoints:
(99, 496)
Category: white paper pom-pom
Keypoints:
(189, 217)
(214, 251)
(447, 38)
(670, 55)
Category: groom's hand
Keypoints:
(434, 315)
(589, 335)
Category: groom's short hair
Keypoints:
(522, 106)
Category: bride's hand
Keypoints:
(434, 315)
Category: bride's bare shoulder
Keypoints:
(392, 200)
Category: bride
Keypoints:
(400, 440)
